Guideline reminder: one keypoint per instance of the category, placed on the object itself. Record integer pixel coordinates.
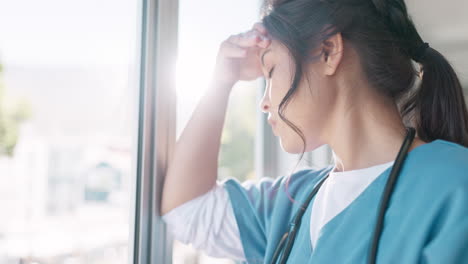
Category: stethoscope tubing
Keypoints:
(287, 239)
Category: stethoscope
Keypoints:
(287, 240)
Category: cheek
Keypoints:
(321, 101)
(291, 141)
(309, 111)
(280, 84)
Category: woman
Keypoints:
(340, 73)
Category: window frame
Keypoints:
(158, 29)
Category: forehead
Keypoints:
(276, 50)
(276, 53)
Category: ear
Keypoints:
(332, 53)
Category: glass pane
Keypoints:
(67, 130)
(203, 25)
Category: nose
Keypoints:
(265, 102)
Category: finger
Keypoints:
(260, 34)
(232, 50)
(248, 39)
(265, 40)
(260, 28)
(245, 40)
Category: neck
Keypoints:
(367, 133)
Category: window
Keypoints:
(203, 25)
(67, 142)
(86, 120)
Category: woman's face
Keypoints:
(310, 106)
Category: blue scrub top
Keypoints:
(426, 220)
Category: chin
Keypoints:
(297, 147)
(291, 148)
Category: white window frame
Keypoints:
(157, 49)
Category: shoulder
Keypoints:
(295, 183)
(446, 151)
(439, 165)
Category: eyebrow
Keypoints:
(263, 55)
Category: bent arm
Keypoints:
(208, 223)
(192, 170)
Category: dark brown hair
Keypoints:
(387, 43)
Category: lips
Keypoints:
(271, 122)
(273, 126)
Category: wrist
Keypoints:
(221, 86)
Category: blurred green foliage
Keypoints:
(12, 114)
(237, 153)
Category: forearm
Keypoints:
(193, 167)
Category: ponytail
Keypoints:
(438, 108)
(387, 42)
